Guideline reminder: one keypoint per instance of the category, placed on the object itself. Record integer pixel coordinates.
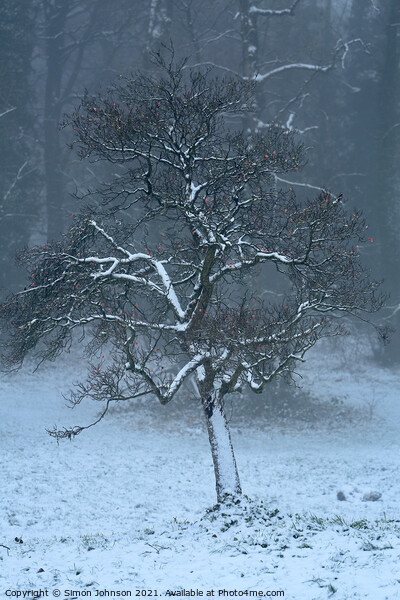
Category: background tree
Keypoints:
(69, 31)
(17, 166)
(160, 16)
(154, 276)
(370, 116)
(386, 182)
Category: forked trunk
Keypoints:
(225, 469)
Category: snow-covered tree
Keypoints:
(154, 272)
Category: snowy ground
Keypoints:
(124, 505)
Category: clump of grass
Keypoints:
(91, 541)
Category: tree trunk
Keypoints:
(159, 29)
(249, 35)
(387, 169)
(225, 469)
(55, 17)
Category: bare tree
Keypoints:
(155, 276)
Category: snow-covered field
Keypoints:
(123, 507)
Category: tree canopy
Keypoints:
(157, 267)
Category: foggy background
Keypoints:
(123, 504)
(327, 69)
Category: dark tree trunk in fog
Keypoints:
(362, 109)
(18, 164)
(387, 165)
(326, 90)
(160, 13)
(248, 30)
(249, 40)
(55, 17)
(70, 28)
(193, 34)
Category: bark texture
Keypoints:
(226, 474)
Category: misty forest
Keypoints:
(200, 298)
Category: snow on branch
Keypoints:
(341, 51)
(166, 291)
(267, 12)
(5, 112)
(20, 175)
(306, 185)
(291, 67)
